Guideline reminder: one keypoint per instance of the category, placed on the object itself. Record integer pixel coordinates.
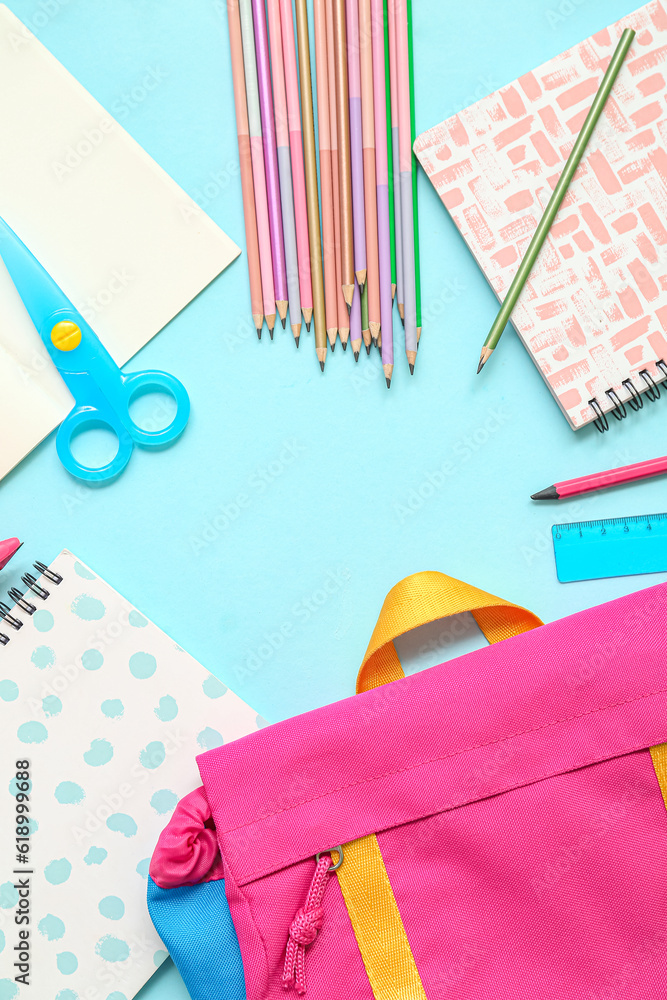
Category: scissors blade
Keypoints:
(41, 295)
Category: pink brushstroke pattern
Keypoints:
(601, 276)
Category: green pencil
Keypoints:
(415, 202)
(390, 152)
(557, 197)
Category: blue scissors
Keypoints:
(102, 393)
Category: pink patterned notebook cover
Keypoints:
(594, 313)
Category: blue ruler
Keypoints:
(617, 546)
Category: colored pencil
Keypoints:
(344, 162)
(296, 156)
(382, 189)
(257, 156)
(355, 324)
(395, 169)
(604, 480)
(557, 197)
(245, 164)
(415, 196)
(326, 187)
(405, 180)
(356, 141)
(341, 305)
(270, 157)
(365, 326)
(312, 198)
(370, 183)
(390, 163)
(284, 169)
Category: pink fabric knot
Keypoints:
(303, 929)
(187, 849)
(305, 925)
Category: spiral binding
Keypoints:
(20, 600)
(649, 388)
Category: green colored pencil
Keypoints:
(557, 197)
(390, 152)
(415, 202)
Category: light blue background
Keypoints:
(344, 454)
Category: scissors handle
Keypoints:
(84, 417)
(99, 410)
(139, 384)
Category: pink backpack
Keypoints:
(494, 827)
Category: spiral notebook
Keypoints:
(101, 718)
(594, 313)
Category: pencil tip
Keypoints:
(259, 333)
(412, 369)
(344, 343)
(403, 321)
(356, 355)
(551, 493)
(368, 348)
(283, 320)
(375, 341)
(271, 334)
(362, 285)
(321, 366)
(308, 326)
(296, 340)
(480, 366)
(333, 346)
(388, 381)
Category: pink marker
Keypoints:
(8, 550)
(603, 480)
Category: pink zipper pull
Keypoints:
(307, 922)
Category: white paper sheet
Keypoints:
(125, 243)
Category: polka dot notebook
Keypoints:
(594, 313)
(103, 715)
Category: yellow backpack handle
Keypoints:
(426, 597)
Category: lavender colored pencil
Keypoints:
(356, 141)
(270, 157)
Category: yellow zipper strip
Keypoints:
(377, 923)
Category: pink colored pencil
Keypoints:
(382, 189)
(603, 480)
(245, 163)
(270, 157)
(355, 324)
(296, 151)
(326, 186)
(341, 306)
(284, 169)
(370, 183)
(257, 157)
(356, 141)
